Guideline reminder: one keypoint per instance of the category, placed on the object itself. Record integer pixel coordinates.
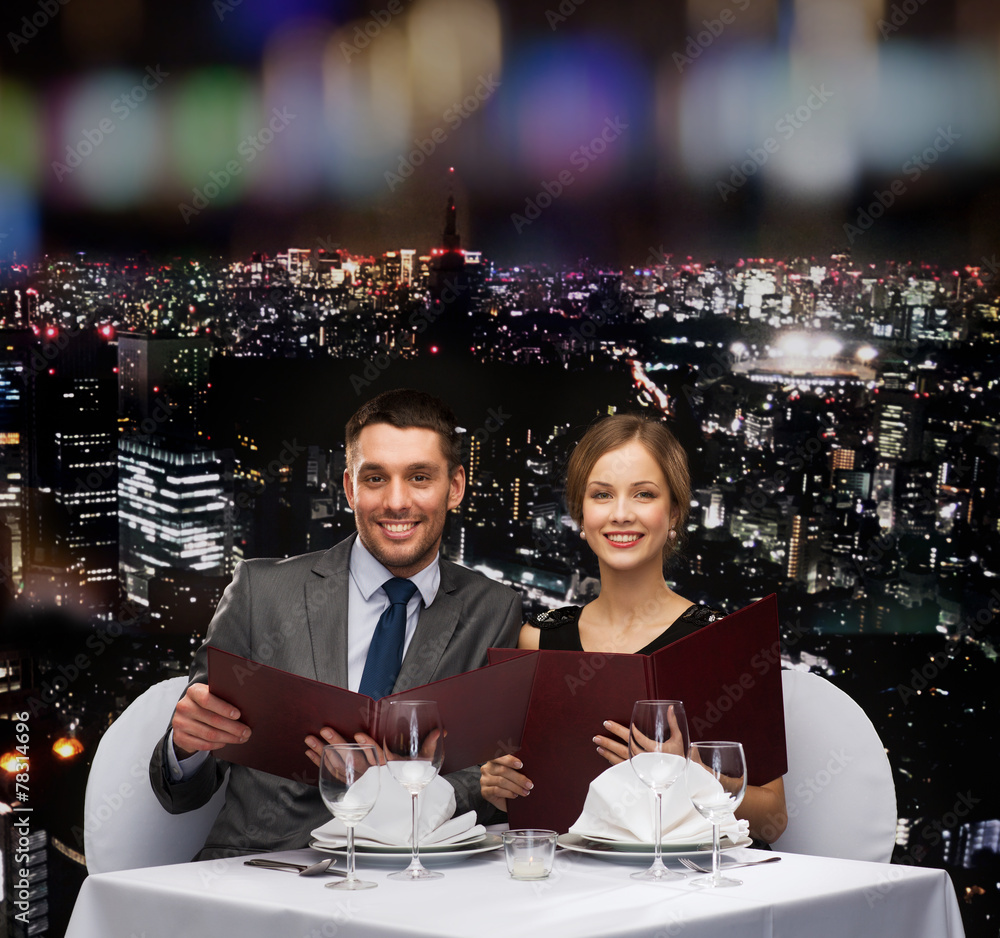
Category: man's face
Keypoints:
(401, 492)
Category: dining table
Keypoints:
(585, 895)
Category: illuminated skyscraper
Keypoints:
(71, 506)
(15, 380)
(841, 459)
(899, 424)
(163, 385)
(406, 261)
(175, 513)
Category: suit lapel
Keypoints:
(326, 609)
(434, 630)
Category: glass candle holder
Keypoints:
(529, 853)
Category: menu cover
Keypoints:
(728, 674)
(483, 712)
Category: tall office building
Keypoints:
(899, 423)
(163, 385)
(175, 512)
(451, 291)
(297, 262)
(407, 274)
(75, 472)
(803, 550)
(16, 347)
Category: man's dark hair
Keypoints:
(405, 408)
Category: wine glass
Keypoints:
(349, 791)
(657, 749)
(414, 750)
(717, 797)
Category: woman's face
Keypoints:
(627, 508)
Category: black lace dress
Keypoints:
(560, 628)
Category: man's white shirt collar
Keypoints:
(369, 575)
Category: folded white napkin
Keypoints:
(390, 822)
(620, 807)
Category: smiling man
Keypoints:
(379, 612)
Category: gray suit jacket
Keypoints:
(292, 614)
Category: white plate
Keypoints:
(634, 846)
(433, 852)
(623, 851)
(370, 846)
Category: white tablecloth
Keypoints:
(585, 896)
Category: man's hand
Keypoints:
(331, 737)
(203, 721)
(500, 781)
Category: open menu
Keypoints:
(728, 674)
(482, 711)
(544, 705)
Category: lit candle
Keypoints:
(530, 868)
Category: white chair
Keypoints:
(839, 789)
(125, 827)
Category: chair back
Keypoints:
(125, 827)
(839, 790)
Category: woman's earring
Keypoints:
(583, 534)
(672, 535)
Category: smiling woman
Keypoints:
(629, 490)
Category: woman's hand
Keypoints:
(499, 781)
(616, 750)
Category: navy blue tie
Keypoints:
(385, 653)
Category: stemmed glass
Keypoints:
(657, 748)
(349, 791)
(414, 750)
(727, 765)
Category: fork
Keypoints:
(691, 865)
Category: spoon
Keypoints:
(312, 869)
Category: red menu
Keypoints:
(483, 712)
(728, 674)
